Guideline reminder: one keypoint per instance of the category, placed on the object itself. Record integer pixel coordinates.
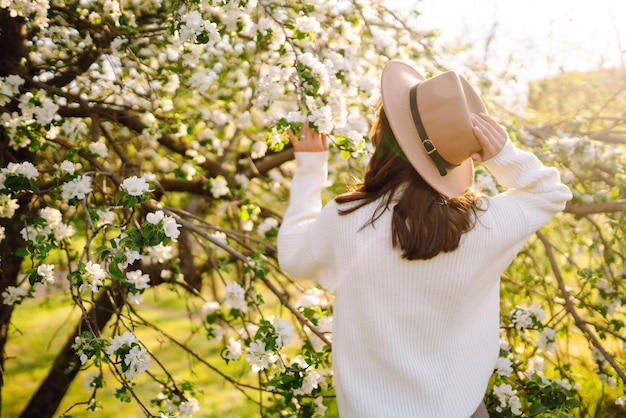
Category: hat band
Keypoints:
(429, 146)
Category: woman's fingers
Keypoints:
(308, 140)
(490, 135)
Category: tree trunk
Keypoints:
(13, 41)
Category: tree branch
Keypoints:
(591, 208)
(569, 305)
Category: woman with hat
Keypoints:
(413, 254)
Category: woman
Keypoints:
(413, 254)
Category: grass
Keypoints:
(41, 326)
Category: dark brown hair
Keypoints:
(424, 222)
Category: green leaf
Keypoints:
(103, 252)
(115, 271)
(119, 196)
(123, 395)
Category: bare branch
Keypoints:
(591, 208)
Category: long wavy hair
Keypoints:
(424, 222)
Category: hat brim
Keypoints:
(397, 79)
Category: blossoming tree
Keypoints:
(143, 147)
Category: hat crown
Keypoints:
(445, 103)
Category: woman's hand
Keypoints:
(308, 140)
(490, 135)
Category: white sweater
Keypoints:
(414, 338)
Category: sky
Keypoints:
(545, 36)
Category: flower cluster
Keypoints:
(18, 176)
(132, 356)
(176, 403)
(138, 282)
(524, 317)
(49, 225)
(77, 188)
(167, 222)
(508, 399)
(9, 87)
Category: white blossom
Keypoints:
(284, 329)
(504, 366)
(170, 228)
(138, 360)
(308, 24)
(9, 87)
(74, 128)
(235, 297)
(99, 148)
(26, 169)
(120, 341)
(202, 80)
(267, 225)
(320, 408)
(311, 381)
(77, 188)
(209, 307)
(322, 118)
(534, 364)
(486, 183)
(219, 187)
(138, 279)
(106, 216)
(136, 186)
(508, 399)
(524, 316)
(313, 297)
(131, 256)
(160, 253)
(189, 170)
(46, 272)
(243, 180)
(135, 298)
(93, 277)
(219, 237)
(547, 339)
(88, 383)
(68, 167)
(189, 407)
(44, 113)
(8, 206)
(12, 295)
(258, 150)
(155, 217)
(260, 358)
(234, 349)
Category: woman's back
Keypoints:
(415, 337)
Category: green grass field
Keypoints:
(40, 327)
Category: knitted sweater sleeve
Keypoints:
(296, 246)
(536, 189)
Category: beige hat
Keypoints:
(430, 119)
